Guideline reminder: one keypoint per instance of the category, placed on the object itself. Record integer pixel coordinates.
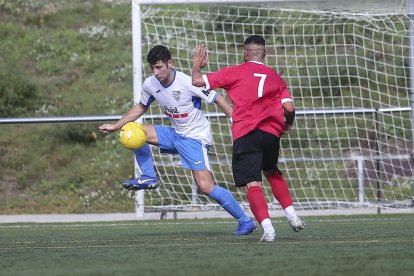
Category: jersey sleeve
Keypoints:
(146, 96)
(218, 79)
(204, 93)
(285, 95)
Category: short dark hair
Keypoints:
(255, 39)
(158, 53)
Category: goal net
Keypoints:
(348, 70)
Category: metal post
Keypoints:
(194, 195)
(361, 187)
(137, 85)
(378, 159)
(411, 38)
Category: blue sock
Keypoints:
(143, 156)
(229, 203)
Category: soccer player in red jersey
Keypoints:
(263, 111)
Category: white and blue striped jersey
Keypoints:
(181, 102)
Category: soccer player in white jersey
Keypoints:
(190, 136)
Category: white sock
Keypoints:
(290, 212)
(267, 226)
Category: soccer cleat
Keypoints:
(245, 228)
(142, 183)
(297, 224)
(268, 236)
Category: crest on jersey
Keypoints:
(176, 95)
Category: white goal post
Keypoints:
(349, 66)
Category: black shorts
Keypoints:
(256, 151)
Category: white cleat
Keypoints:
(268, 237)
(297, 224)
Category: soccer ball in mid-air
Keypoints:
(133, 135)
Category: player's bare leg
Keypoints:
(226, 200)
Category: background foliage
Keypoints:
(63, 58)
(73, 58)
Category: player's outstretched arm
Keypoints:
(289, 114)
(199, 61)
(133, 114)
(224, 106)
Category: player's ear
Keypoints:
(170, 63)
(246, 53)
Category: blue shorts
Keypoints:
(193, 153)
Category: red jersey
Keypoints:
(257, 93)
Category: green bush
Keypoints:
(18, 94)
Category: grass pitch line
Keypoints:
(86, 224)
(192, 244)
(183, 222)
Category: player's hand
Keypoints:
(108, 128)
(200, 56)
(287, 129)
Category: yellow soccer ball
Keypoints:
(133, 135)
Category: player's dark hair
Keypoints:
(255, 39)
(158, 53)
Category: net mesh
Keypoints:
(348, 72)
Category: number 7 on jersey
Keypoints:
(261, 83)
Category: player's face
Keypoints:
(163, 71)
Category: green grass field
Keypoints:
(334, 245)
